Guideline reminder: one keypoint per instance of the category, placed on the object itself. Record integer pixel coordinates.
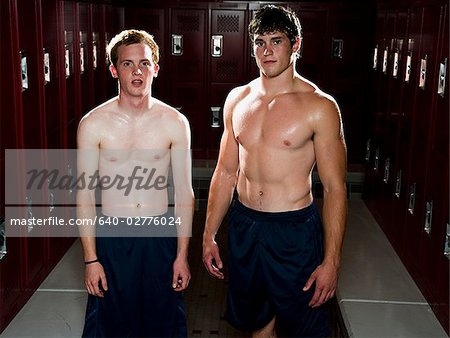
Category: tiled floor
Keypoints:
(393, 307)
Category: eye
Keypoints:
(145, 63)
(126, 64)
(258, 43)
(277, 42)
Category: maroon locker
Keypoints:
(314, 46)
(227, 54)
(72, 70)
(54, 82)
(435, 266)
(420, 138)
(401, 170)
(86, 57)
(99, 65)
(392, 163)
(188, 72)
(11, 296)
(35, 133)
(372, 141)
(153, 20)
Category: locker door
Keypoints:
(314, 47)
(421, 136)
(435, 266)
(11, 137)
(35, 133)
(153, 20)
(227, 55)
(99, 65)
(72, 70)
(401, 172)
(188, 72)
(54, 82)
(85, 53)
(391, 164)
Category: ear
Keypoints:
(156, 70)
(113, 71)
(296, 46)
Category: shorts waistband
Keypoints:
(299, 215)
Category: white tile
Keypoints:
(376, 320)
(370, 268)
(50, 314)
(69, 272)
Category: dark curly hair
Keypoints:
(273, 18)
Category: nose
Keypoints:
(137, 71)
(267, 51)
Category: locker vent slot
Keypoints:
(228, 24)
(188, 23)
(227, 69)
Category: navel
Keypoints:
(138, 205)
(261, 193)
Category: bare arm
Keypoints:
(330, 150)
(184, 200)
(87, 165)
(221, 190)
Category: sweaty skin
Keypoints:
(276, 128)
(134, 130)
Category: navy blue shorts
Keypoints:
(271, 256)
(140, 301)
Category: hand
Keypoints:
(94, 276)
(325, 276)
(210, 253)
(181, 274)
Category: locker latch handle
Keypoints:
(387, 165)
(428, 217)
(177, 44)
(216, 45)
(412, 198)
(447, 242)
(215, 117)
(376, 159)
(367, 158)
(29, 200)
(442, 77)
(398, 184)
(2, 237)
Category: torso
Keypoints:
(276, 151)
(137, 147)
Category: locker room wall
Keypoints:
(44, 114)
(407, 151)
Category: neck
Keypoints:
(136, 104)
(281, 83)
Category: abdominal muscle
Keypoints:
(275, 183)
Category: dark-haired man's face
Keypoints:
(273, 53)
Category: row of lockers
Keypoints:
(407, 153)
(53, 67)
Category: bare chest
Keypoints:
(139, 142)
(278, 123)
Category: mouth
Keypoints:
(269, 62)
(137, 82)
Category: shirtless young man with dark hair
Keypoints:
(283, 263)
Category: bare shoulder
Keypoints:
(97, 119)
(170, 116)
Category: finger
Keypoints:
(219, 263)
(309, 283)
(212, 270)
(175, 280)
(315, 298)
(104, 282)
